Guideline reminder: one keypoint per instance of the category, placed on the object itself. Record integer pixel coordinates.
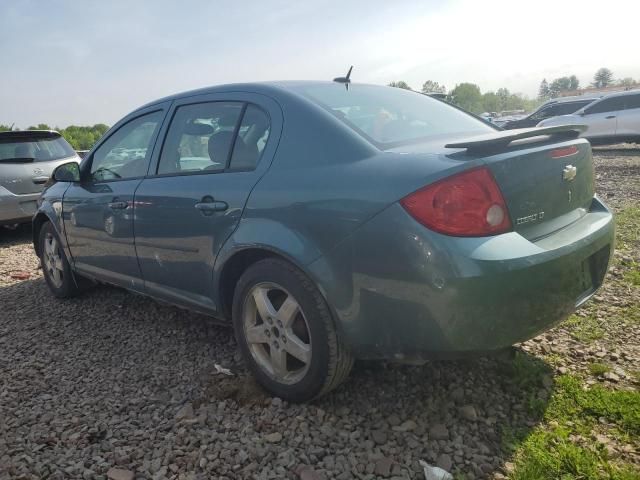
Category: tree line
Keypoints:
(80, 137)
(469, 97)
(601, 79)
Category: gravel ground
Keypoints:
(112, 385)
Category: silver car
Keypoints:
(27, 159)
(613, 118)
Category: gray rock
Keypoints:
(438, 431)
(379, 437)
(120, 474)
(468, 412)
(383, 467)
(185, 412)
(394, 420)
(274, 437)
(444, 461)
(308, 473)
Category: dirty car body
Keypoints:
(426, 231)
(27, 159)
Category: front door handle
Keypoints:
(40, 180)
(610, 117)
(118, 205)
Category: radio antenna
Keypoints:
(346, 79)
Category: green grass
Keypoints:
(628, 315)
(584, 329)
(632, 275)
(598, 369)
(553, 451)
(627, 227)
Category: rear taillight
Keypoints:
(468, 204)
(564, 152)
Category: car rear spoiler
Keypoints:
(500, 140)
(25, 135)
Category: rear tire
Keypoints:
(55, 266)
(286, 332)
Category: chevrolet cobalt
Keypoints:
(330, 221)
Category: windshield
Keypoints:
(34, 149)
(390, 117)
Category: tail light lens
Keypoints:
(564, 152)
(468, 204)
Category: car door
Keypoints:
(98, 212)
(215, 149)
(601, 117)
(629, 118)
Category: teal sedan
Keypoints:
(329, 221)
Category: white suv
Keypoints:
(613, 118)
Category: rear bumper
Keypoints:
(17, 208)
(401, 291)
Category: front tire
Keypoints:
(286, 332)
(55, 266)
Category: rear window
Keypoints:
(389, 117)
(31, 148)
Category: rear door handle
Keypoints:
(40, 180)
(610, 117)
(118, 205)
(214, 206)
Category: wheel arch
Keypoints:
(237, 262)
(38, 221)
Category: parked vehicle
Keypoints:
(329, 224)
(27, 159)
(613, 118)
(552, 108)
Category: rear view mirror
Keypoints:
(67, 172)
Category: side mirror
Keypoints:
(67, 172)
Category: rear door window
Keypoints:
(252, 138)
(632, 101)
(607, 105)
(568, 108)
(200, 138)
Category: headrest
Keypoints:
(199, 129)
(219, 146)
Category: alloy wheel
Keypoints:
(53, 260)
(277, 333)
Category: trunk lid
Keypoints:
(22, 178)
(546, 180)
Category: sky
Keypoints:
(68, 62)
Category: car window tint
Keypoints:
(252, 138)
(632, 101)
(544, 112)
(200, 137)
(607, 105)
(389, 117)
(39, 149)
(125, 154)
(568, 108)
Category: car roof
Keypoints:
(574, 98)
(622, 93)
(266, 88)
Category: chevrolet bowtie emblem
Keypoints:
(569, 173)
